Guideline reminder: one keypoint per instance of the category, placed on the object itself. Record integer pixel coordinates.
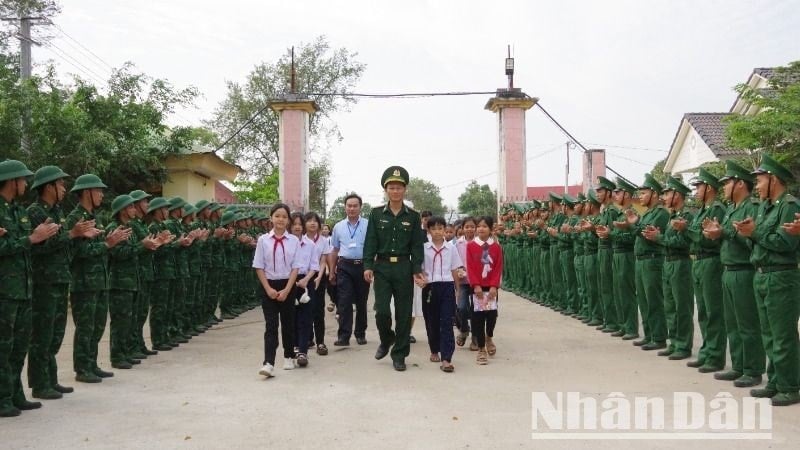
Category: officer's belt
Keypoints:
(649, 256)
(623, 250)
(391, 258)
(738, 267)
(700, 256)
(676, 257)
(357, 262)
(776, 268)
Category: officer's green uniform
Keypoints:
(89, 288)
(748, 359)
(558, 289)
(163, 286)
(141, 303)
(578, 259)
(50, 262)
(590, 249)
(544, 260)
(624, 268)
(678, 292)
(231, 268)
(605, 261)
(15, 294)
(393, 250)
(123, 262)
(179, 323)
(216, 257)
(649, 272)
(776, 283)
(707, 277)
(566, 256)
(193, 291)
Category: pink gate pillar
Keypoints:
(510, 106)
(293, 127)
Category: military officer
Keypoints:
(624, 263)
(594, 304)
(141, 303)
(89, 287)
(566, 255)
(776, 281)
(605, 254)
(392, 256)
(15, 294)
(164, 268)
(748, 359)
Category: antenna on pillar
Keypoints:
(291, 83)
(510, 69)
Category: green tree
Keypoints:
(425, 196)
(263, 192)
(478, 200)
(337, 213)
(658, 171)
(776, 128)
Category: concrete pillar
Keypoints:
(294, 113)
(510, 106)
(594, 165)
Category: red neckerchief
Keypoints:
(441, 260)
(278, 241)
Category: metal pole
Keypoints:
(566, 171)
(24, 74)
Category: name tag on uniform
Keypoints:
(352, 245)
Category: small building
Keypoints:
(196, 174)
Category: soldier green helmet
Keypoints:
(139, 195)
(651, 183)
(593, 197)
(674, 184)
(605, 183)
(47, 174)
(120, 203)
(733, 170)
(227, 218)
(215, 207)
(88, 181)
(771, 166)
(705, 177)
(554, 198)
(202, 204)
(188, 210)
(623, 185)
(175, 203)
(157, 203)
(394, 173)
(11, 169)
(569, 200)
(581, 198)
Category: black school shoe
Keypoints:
(399, 365)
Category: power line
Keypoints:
(529, 158)
(646, 149)
(408, 95)
(81, 45)
(64, 55)
(244, 125)
(67, 59)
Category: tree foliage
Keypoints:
(425, 196)
(337, 213)
(478, 200)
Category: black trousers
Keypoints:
(483, 323)
(318, 309)
(352, 290)
(277, 313)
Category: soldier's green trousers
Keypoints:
(89, 313)
(225, 293)
(556, 279)
(777, 299)
(707, 277)
(570, 284)
(177, 302)
(140, 313)
(536, 275)
(650, 296)
(48, 322)
(544, 272)
(160, 296)
(595, 304)
(212, 293)
(605, 284)
(679, 304)
(742, 322)
(15, 335)
(121, 311)
(624, 267)
(394, 281)
(580, 278)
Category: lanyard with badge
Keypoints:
(352, 232)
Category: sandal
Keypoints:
(483, 358)
(322, 350)
(461, 339)
(302, 360)
(435, 358)
(473, 346)
(490, 347)
(447, 368)
(330, 307)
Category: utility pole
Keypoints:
(566, 169)
(25, 68)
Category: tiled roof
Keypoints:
(711, 128)
(764, 72)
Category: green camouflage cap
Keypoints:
(651, 183)
(227, 218)
(605, 183)
(88, 181)
(593, 197)
(705, 177)
(175, 203)
(157, 203)
(47, 174)
(674, 184)
(11, 169)
(771, 166)
(569, 200)
(139, 195)
(623, 185)
(555, 198)
(733, 170)
(121, 202)
(394, 173)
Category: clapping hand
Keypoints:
(793, 227)
(651, 233)
(43, 232)
(678, 224)
(712, 229)
(745, 227)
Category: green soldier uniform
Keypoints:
(678, 292)
(566, 257)
(141, 302)
(15, 294)
(748, 359)
(544, 261)
(624, 268)
(179, 323)
(605, 261)
(163, 288)
(89, 289)
(393, 250)
(590, 249)
(707, 277)
(50, 262)
(123, 262)
(776, 284)
(232, 265)
(579, 307)
(216, 257)
(649, 272)
(556, 275)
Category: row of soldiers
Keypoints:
(165, 260)
(599, 259)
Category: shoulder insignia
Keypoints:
(23, 219)
(406, 223)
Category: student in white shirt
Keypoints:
(441, 266)
(320, 282)
(307, 263)
(274, 261)
(464, 304)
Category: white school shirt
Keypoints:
(276, 256)
(307, 258)
(461, 245)
(439, 263)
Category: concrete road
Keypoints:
(207, 394)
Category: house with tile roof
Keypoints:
(196, 174)
(700, 138)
